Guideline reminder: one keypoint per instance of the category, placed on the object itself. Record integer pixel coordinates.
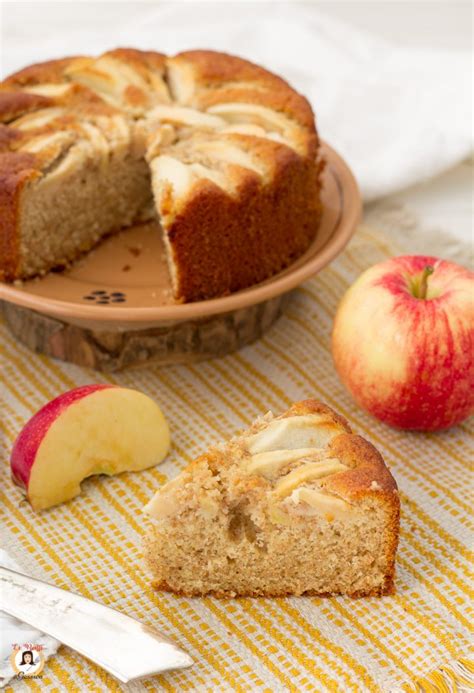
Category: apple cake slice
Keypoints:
(297, 504)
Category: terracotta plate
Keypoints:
(124, 281)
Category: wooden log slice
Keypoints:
(173, 342)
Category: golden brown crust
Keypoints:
(14, 104)
(50, 71)
(146, 60)
(314, 406)
(9, 138)
(368, 471)
(16, 170)
(212, 68)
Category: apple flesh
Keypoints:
(403, 342)
(93, 429)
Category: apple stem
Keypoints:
(423, 286)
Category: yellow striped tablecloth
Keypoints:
(93, 544)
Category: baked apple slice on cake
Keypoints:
(297, 504)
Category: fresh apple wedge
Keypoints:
(93, 429)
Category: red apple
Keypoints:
(403, 342)
(93, 429)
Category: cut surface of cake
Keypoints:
(297, 504)
(222, 152)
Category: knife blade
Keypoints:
(123, 646)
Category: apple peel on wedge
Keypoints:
(93, 429)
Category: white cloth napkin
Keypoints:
(13, 632)
(397, 115)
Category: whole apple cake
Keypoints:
(222, 152)
(297, 504)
